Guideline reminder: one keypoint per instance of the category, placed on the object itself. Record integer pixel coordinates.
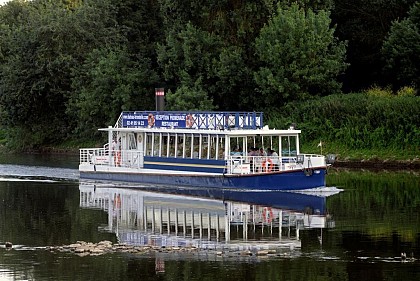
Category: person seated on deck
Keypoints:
(261, 157)
(236, 153)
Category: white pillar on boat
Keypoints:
(245, 227)
(200, 143)
(192, 146)
(217, 147)
(297, 145)
(110, 146)
(183, 145)
(176, 145)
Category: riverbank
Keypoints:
(378, 164)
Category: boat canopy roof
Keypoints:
(203, 122)
(262, 132)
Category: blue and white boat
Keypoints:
(206, 149)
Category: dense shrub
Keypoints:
(357, 121)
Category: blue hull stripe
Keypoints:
(290, 180)
(185, 164)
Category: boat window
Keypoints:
(156, 144)
(132, 141)
(265, 143)
(212, 146)
(221, 147)
(250, 143)
(172, 145)
(237, 144)
(164, 152)
(179, 139)
(196, 147)
(149, 142)
(204, 147)
(188, 146)
(288, 146)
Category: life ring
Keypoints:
(189, 121)
(267, 165)
(151, 120)
(268, 214)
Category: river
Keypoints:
(358, 232)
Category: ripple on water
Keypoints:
(36, 173)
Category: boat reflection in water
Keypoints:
(208, 218)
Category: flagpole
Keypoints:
(320, 145)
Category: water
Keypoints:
(361, 236)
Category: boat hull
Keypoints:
(290, 180)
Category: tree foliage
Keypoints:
(365, 24)
(107, 83)
(70, 66)
(299, 56)
(401, 49)
(40, 52)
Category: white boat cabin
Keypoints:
(222, 142)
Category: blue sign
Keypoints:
(164, 120)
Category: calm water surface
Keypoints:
(357, 234)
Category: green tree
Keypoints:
(106, 84)
(401, 49)
(299, 57)
(365, 24)
(314, 5)
(41, 52)
(218, 33)
(190, 96)
(187, 60)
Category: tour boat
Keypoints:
(203, 149)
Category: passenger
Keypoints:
(236, 152)
(116, 152)
(252, 155)
(275, 159)
(261, 157)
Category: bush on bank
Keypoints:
(356, 124)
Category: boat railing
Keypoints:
(259, 164)
(118, 158)
(238, 164)
(96, 156)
